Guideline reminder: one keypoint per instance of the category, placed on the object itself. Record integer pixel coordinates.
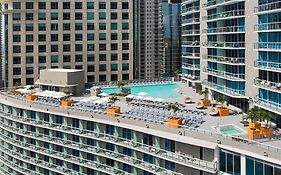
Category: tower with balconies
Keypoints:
(191, 42)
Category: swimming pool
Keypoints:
(229, 130)
(156, 90)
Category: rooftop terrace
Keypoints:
(198, 127)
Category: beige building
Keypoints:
(94, 36)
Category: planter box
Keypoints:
(174, 122)
(113, 111)
(31, 97)
(256, 125)
(223, 111)
(253, 134)
(205, 102)
(66, 103)
(266, 132)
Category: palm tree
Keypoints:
(205, 93)
(222, 99)
(174, 107)
(267, 116)
(113, 99)
(17, 84)
(67, 93)
(177, 72)
(253, 114)
(120, 84)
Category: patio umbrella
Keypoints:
(149, 98)
(130, 96)
(158, 99)
(139, 97)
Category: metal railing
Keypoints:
(232, 76)
(268, 45)
(191, 43)
(268, 26)
(224, 89)
(224, 44)
(268, 7)
(190, 9)
(223, 59)
(268, 65)
(268, 104)
(268, 84)
(225, 29)
(189, 160)
(190, 32)
(215, 2)
(190, 54)
(233, 13)
(191, 66)
(190, 20)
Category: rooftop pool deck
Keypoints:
(200, 120)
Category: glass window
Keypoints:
(125, 5)
(102, 36)
(127, 134)
(90, 5)
(114, 36)
(78, 37)
(125, 66)
(54, 37)
(78, 16)
(91, 68)
(42, 59)
(102, 5)
(29, 5)
(125, 26)
(16, 60)
(258, 168)
(90, 47)
(29, 59)
(102, 67)
(66, 26)
(42, 48)
(102, 26)
(66, 47)
(90, 57)
(42, 5)
(41, 16)
(16, 16)
(16, 5)
(54, 48)
(54, 27)
(29, 38)
(125, 56)
(66, 37)
(42, 27)
(113, 26)
(16, 49)
(114, 46)
(54, 59)
(29, 16)
(16, 71)
(16, 38)
(113, 15)
(102, 15)
(66, 58)
(54, 16)
(114, 67)
(102, 57)
(125, 15)
(229, 163)
(90, 26)
(78, 58)
(102, 47)
(78, 47)
(66, 16)
(125, 36)
(54, 5)
(90, 15)
(66, 5)
(29, 70)
(114, 57)
(125, 46)
(78, 5)
(78, 26)
(41, 37)
(91, 78)
(90, 36)
(113, 5)
(16, 27)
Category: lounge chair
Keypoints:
(214, 112)
(200, 105)
(187, 100)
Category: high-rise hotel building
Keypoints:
(96, 36)
(239, 46)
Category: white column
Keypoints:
(243, 164)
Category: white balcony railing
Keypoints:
(268, 26)
(228, 14)
(223, 89)
(224, 44)
(228, 75)
(268, 7)
(268, 65)
(228, 29)
(268, 84)
(222, 59)
(268, 45)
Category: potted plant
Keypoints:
(115, 110)
(205, 101)
(14, 90)
(254, 115)
(31, 96)
(222, 110)
(66, 101)
(174, 121)
(266, 130)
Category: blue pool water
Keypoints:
(156, 91)
(229, 130)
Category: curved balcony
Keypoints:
(235, 93)
(225, 15)
(191, 43)
(191, 66)
(224, 60)
(146, 166)
(190, 21)
(270, 66)
(189, 10)
(16, 167)
(268, 105)
(268, 7)
(190, 32)
(225, 30)
(38, 162)
(138, 163)
(274, 46)
(186, 160)
(191, 78)
(191, 55)
(224, 45)
(269, 85)
(224, 74)
(215, 3)
(265, 27)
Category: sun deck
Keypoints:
(201, 134)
